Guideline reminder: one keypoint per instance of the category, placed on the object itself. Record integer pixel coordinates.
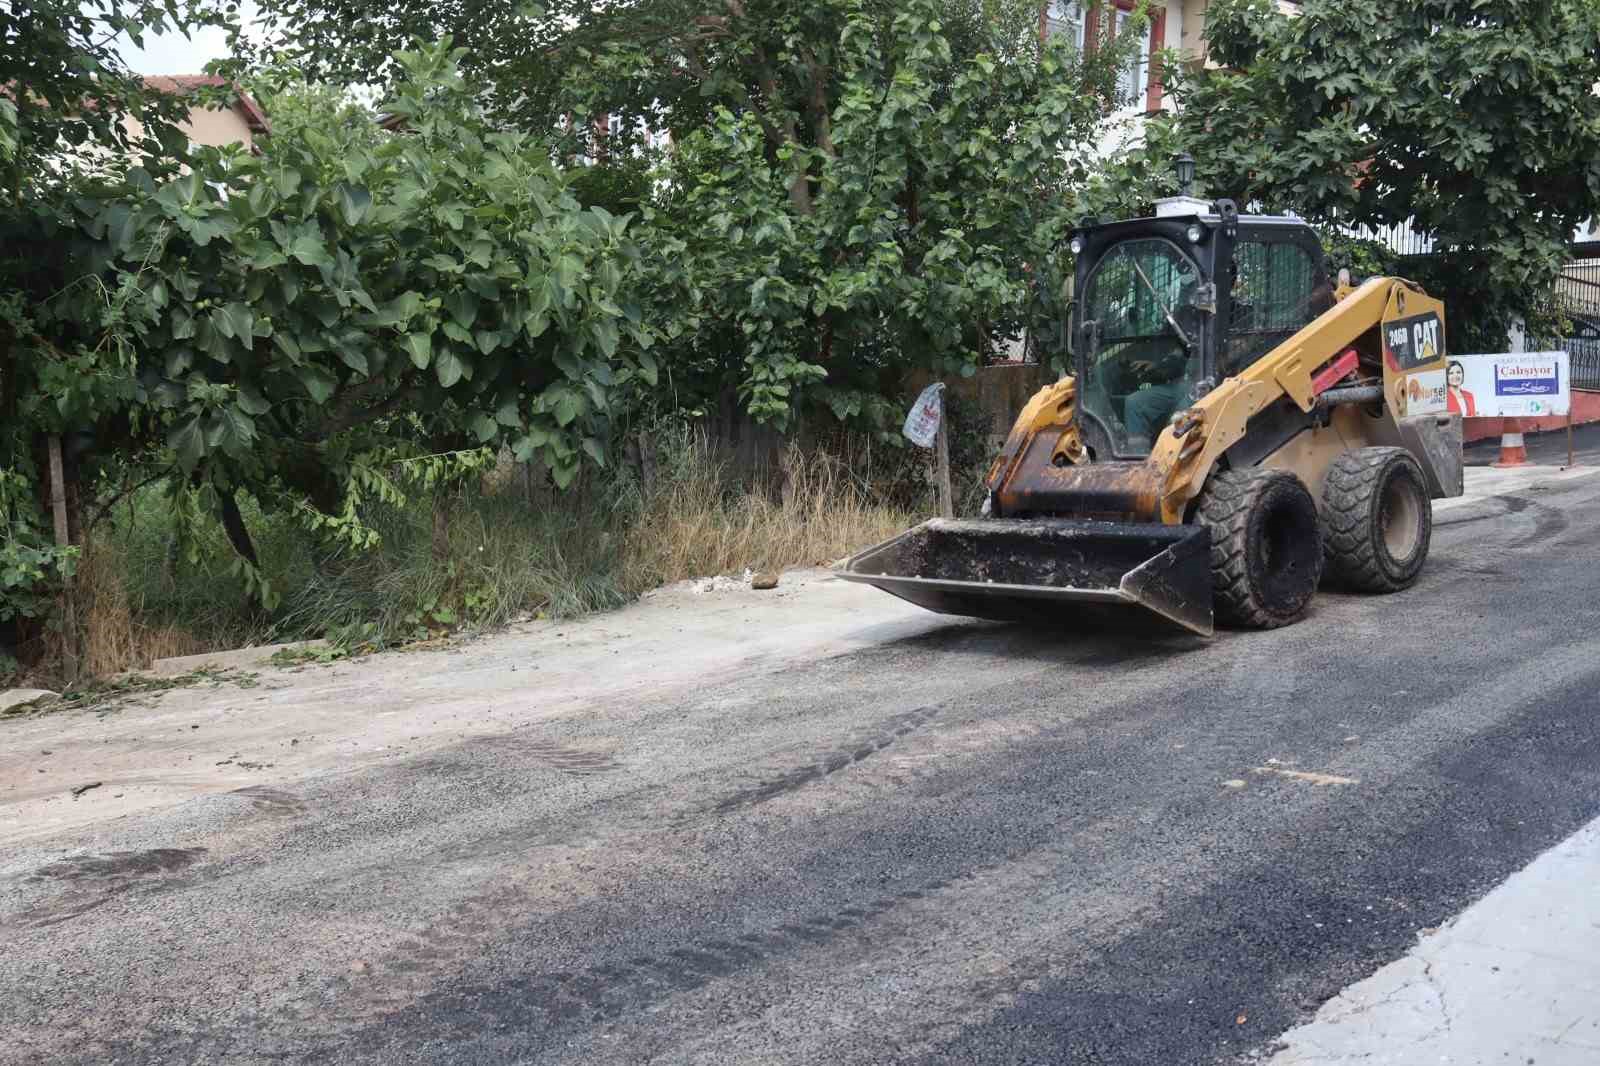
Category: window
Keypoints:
(1140, 358)
(1134, 82)
(1064, 18)
(1275, 293)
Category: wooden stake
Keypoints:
(941, 445)
(69, 617)
(1569, 435)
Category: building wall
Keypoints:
(216, 128)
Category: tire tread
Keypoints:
(1225, 507)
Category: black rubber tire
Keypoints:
(1266, 546)
(1377, 520)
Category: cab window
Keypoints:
(1275, 294)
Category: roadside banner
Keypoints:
(1508, 385)
(922, 424)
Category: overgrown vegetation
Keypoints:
(1476, 123)
(511, 553)
(250, 397)
(296, 363)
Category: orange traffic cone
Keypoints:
(1512, 450)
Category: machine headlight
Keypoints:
(1076, 244)
(1194, 233)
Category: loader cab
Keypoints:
(1165, 307)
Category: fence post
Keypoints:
(942, 447)
(69, 614)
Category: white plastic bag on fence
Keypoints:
(922, 424)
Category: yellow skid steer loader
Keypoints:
(1238, 428)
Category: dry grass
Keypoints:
(695, 525)
(508, 556)
(114, 640)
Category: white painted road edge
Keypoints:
(1515, 978)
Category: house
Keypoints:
(243, 123)
(1178, 25)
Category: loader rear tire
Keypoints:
(1377, 520)
(1266, 546)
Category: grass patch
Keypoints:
(507, 553)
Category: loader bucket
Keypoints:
(1044, 569)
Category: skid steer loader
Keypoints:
(1238, 428)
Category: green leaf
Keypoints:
(420, 347)
(647, 368)
(318, 382)
(119, 222)
(569, 405)
(188, 439)
(234, 320)
(562, 473)
(568, 272)
(508, 413)
(251, 401)
(463, 307)
(524, 447)
(237, 430)
(403, 307)
(311, 251)
(487, 340)
(288, 181)
(485, 427)
(354, 203)
(353, 357)
(596, 450)
(449, 367)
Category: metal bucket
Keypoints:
(1043, 569)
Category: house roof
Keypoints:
(184, 83)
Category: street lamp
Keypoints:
(1184, 165)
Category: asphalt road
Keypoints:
(980, 843)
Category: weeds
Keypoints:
(695, 526)
(111, 693)
(508, 551)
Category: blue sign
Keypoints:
(1527, 379)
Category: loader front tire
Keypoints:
(1377, 518)
(1266, 546)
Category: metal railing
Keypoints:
(1578, 298)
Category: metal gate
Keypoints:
(1578, 296)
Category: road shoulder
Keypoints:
(1512, 979)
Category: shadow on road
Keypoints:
(1107, 636)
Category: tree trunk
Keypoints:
(238, 534)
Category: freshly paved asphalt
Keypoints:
(986, 843)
